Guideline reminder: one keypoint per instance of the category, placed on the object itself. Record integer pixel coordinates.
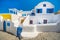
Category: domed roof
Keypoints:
(48, 4)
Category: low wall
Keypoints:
(58, 27)
(43, 28)
(28, 29)
(49, 28)
(11, 29)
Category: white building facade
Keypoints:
(41, 18)
(43, 14)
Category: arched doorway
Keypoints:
(4, 26)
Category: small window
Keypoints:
(8, 24)
(31, 21)
(32, 14)
(50, 10)
(15, 12)
(23, 14)
(39, 10)
(11, 11)
(44, 5)
(45, 21)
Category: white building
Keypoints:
(18, 16)
(41, 18)
(43, 13)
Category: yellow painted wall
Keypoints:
(6, 16)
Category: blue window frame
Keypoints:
(23, 14)
(8, 23)
(32, 14)
(39, 10)
(44, 5)
(50, 10)
(11, 11)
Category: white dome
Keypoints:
(48, 5)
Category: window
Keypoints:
(31, 21)
(32, 14)
(50, 10)
(23, 14)
(8, 24)
(44, 5)
(39, 10)
(45, 21)
(11, 12)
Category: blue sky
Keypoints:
(24, 4)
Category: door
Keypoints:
(45, 21)
(4, 26)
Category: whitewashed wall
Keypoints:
(56, 18)
(34, 19)
(1, 25)
(15, 20)
(40, 18)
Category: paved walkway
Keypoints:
(6, 36)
